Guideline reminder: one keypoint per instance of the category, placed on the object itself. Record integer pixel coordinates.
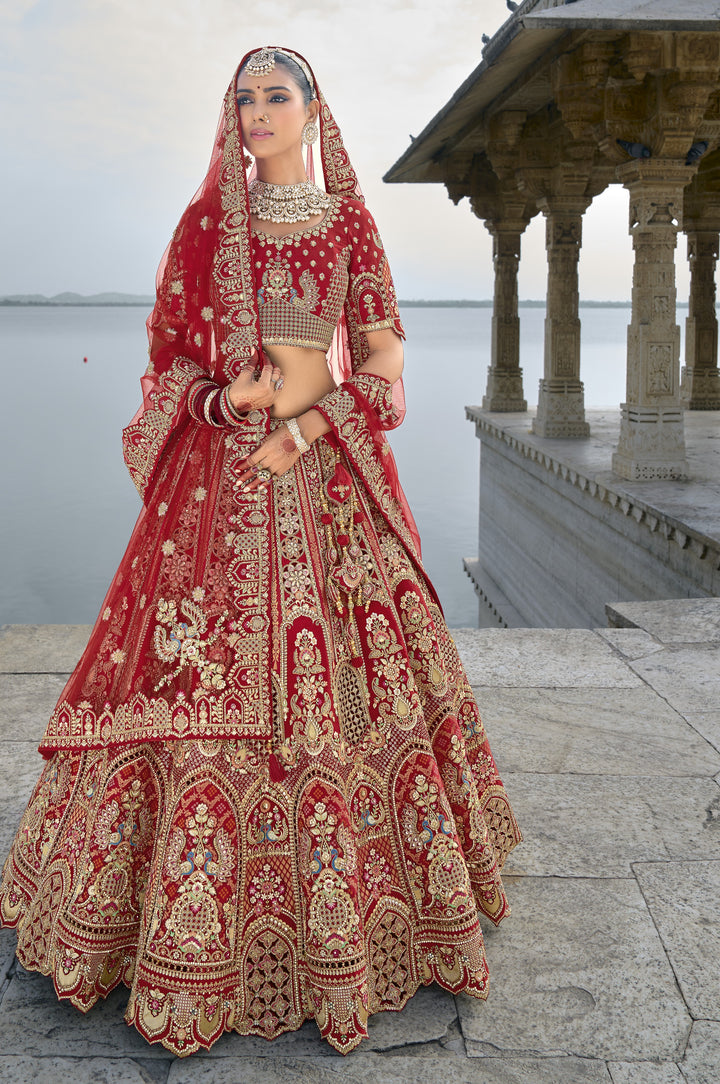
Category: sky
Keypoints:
(109, 110)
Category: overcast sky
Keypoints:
(109, 110)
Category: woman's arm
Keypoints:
(385, 360)
(278, 451)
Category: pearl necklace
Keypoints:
(287, 202)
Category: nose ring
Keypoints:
(265, 119)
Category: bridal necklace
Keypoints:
(287, 202)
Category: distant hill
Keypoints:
(487, 303)
(69, 298)
(146, 301)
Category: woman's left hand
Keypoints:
(277, 454)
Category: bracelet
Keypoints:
(238, 415)
(207, 410)
(294, 429)
(200, 390)
(223, 408)
(231, 416)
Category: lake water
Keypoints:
(68, 505)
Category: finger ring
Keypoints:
(264, 474)
(279, 383)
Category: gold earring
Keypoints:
(310, 133)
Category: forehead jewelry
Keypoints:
(263, 62)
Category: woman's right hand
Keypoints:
(250, 391)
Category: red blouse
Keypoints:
(304, 278)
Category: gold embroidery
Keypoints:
(185, 642)
(144, 439)
(232, 264)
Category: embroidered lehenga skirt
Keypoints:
(268, 795)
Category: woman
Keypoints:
(268, 795)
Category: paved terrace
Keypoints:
(608, 971)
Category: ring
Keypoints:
(264, 474)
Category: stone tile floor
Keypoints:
(608, 969)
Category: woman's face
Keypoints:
(272, 112)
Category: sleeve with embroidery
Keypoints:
(370, 290)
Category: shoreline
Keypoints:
(440, 303)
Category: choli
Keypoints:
(304, 278)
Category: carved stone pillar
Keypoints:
(652, 437)
(505, 381)
(700, 382)
(561, 399)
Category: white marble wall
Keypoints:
(558, 538)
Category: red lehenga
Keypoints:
(268, 794)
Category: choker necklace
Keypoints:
(287, 202)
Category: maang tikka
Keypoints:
(261, 63)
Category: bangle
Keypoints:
(223, 408)
(227, 410)
(197, 395)
(237, 415)
(294, 429)
(207, 410)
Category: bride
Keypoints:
(268, 794)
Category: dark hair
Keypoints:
(296, 73)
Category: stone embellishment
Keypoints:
(261, 63)
(287, 202)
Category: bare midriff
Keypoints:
(306, 378)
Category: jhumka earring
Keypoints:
(310, 133)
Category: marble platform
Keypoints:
(560, 535)
(607, 971)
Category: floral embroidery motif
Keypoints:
(194, 920)
(110, 891)
(184, 643)
(427, 826)
(333, 920)
(310, 700)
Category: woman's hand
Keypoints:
(250, 391)
(277, 454)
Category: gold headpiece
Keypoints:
(263, 62)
